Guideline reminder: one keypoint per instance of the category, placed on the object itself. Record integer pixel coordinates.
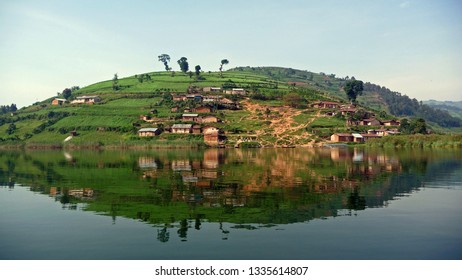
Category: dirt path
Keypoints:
(283, 127)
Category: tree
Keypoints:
(11, 128)
(66, 93)
(165, 59)
(223, 62)
(352, 89)
(198, 70)
(419, 126)
(184, 65)
(115, 82)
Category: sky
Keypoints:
(410, 46)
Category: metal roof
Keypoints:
(178, 125)
(148, 130)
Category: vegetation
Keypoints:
(353, 89)
(277, 109)
(418, 141)
(165, 59)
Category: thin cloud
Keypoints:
(405, 4)
(54, 20)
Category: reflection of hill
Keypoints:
(255, 186)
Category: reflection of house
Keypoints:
(181, 165)
(341, 137)
(80, 193)
(182, 128)
(58, 101)
(86, 100)
(147, 162)
(211, 157)
(148, 132)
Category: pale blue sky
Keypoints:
(410, 46)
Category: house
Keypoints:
(211, 135)
(391, 123)
(211, 89)
(370, 136)
(189, 117)
(182, 128)
(212, 98)
(86, 99)
(326, 105)
(341, 137)
(195, 97)
(348, 111)
(148, 132)
(370, 122)
(146, 118)
(202, 109)
(196, 129)
(179, 97)
(208, 119)
(380, 132)
(357, 138)
(226, 101)
(240, 91)
(58, 101)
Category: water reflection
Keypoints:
(178, 190)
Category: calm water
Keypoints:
(231, 204)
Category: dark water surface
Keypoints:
(231, 204)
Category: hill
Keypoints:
(269, 106)
(454, 108)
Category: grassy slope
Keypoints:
(120, 109)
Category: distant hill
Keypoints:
(453, 107)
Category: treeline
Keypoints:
(8, 108)
(402, 105)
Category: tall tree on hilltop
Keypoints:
(165, 59)
(184, 65)
(115, 82)
(198, 71)
(223, 62)
(66, 93)
(353, 88)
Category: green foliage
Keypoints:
(413, 127)
(115, 82)
(11, 129)
(165, 59)
(353, 89)
(184, 65)
(8, 108)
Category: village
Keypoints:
(197, 113)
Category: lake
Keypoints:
(328, 204)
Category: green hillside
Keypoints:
(275, 111)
